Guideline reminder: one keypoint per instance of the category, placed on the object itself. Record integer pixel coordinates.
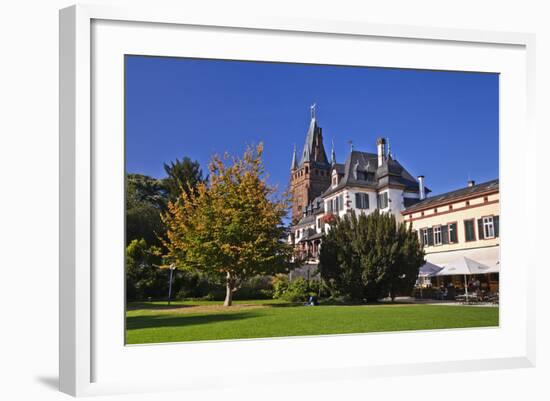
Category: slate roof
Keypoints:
(307, 153)
(340, 168)
(314, 209)
(432, 201)
(361, 170)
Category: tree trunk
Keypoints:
(229, 289)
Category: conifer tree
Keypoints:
(370, 257)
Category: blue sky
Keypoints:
(443, 125)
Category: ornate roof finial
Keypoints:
(350, 145)
(389, 148)
(333, 154)
(312, 110)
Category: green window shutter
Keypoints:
(480, 232)
(444, 234)
(469, 230)
(358, 201)
(421, 237)
(496, 224)
(366, 201)
(430, 236)
(453, 233)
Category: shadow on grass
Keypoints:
(151, 306)
(282, 305)
(157, 321)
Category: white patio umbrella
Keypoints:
(465, 266)
(429, 269)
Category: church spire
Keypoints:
(314, 150)
(333, 155)
(294, 165)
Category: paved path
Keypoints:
(411, 300)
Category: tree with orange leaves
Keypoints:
(231, 227)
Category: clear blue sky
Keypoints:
(443, 125)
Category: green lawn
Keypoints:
(155, 322)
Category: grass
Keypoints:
(156, 322)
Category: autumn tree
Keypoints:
(232, 227)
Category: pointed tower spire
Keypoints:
(333, 155)
(294, 165)
(314, 150)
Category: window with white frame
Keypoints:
(437, 236)
(382, 200)
(425, 238)
(361, 200)
(488, 227)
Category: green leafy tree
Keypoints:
(145, 199)
(370, 257)
(232, 228)
(181, 175)
(144, 278)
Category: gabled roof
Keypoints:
(361, 170)
(467, 192)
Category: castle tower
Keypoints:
(311, 176)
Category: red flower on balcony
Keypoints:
(328, 218)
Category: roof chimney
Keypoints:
(421, 188)
(471, 183)
(381, 147)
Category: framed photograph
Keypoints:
(301, 199)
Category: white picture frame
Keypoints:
(81, 347)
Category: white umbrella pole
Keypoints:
(466, 287)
